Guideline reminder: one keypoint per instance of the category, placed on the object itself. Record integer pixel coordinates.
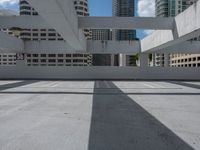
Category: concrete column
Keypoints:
(160, 59)
(122, 60)
(144, 60)
(166, 60)
(154, 59)
(112, 59)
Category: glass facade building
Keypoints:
(124, 8)
(171, 8)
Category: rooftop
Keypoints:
(99, 115)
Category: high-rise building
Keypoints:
(171, 8)
(102, 59)
(124, 8)
(81, 7)
(101, 34)
(66, 59)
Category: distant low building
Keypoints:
(8, 59)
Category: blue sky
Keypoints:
(98, 8)
(101, 7)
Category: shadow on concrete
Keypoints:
(16, 84)
(195, 86)
(119, 123)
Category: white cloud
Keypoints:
(146, 8)
(6, 3)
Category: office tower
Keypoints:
(102, 59)
(124, 8)
(42, 59)
(81, 7)
(101, 34)
(171, 8)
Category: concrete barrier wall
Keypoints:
(150, 73)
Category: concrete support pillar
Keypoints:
(154, 59)
(112, 60)
(160, 59)
(166, 60)
(144, 60)
(122, 60)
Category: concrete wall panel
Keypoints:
(10, 44)
(154, 73)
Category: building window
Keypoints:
(68, 55)
(43, 55)
(52, 55)
(60, 60)
(35, 55)
(43, 60)
(68, 61)
(60, 55)
(52, 60)
(35, 60)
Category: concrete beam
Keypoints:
(99, 73)
(187, 27)
(61, 15)
(93, 47)
(113, 47)
(156, 40)
(126, 23)
(10, 44)
(189, 20)
(48, 47)
(23, 22)
(38, 22)
(188, 47)
(161, 40)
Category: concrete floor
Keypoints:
(99, 115)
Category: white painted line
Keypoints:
(148, 85)
(53, 84)
(158, 85)
(56, 84)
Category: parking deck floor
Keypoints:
(99, 115)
